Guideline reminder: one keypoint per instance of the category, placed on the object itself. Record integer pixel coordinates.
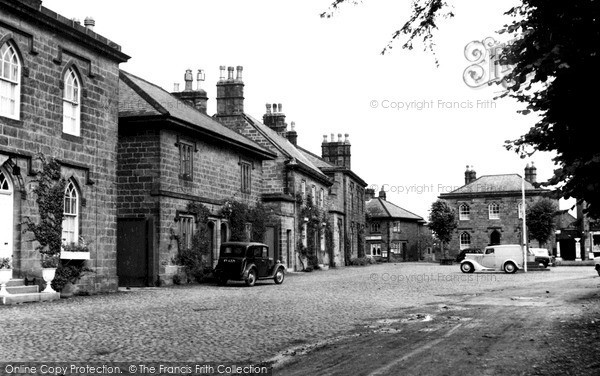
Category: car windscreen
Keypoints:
(233, 251)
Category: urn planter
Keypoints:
(48, 275)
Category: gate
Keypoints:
(134, 266)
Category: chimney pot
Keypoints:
(332, 138)
(230, 73)
(280, 107)
(188, 77)
(175, 87)
(239, 69)
(275, 108)
(89, 23)
(293, 125)
(346, 140)
(222, 72)
(339, 137)
(324, 138)
(268, 108)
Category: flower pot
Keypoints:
(5, 276)
(48, 275)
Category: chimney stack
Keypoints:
(382, 194)
(337, 152)
(292, 135)
(230, 93)
(196, 98)
(470, 175)
(369, 194)
(89, 23)
(276, 119)
(531, 173)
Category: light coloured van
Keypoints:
(506, 257)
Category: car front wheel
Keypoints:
(279, 276)
(510, 267)
(251, 279)
(467, 267)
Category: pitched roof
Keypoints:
(315, 159)
(495, 184)
(284, 145)
(380, 208)
(140, 98)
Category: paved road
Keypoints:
(236, 323)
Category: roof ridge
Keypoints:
(400, 207)
(262, 132)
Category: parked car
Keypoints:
(462, 253)
(506, 257)
(597, 264)
(249, 262)
(542, 256)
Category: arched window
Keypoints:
(465, 240)
(494, 211)
(464, 212)
(71, 103)
(70, 226)
(10, 81)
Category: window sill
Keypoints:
(186, 177)
(72, 138)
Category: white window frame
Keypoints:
(72, 103)
(10, 82)
(464, 212)
(303, 189)
(313, 194)
(374, 249)
(463, 238)
(396, 226)
(70, 224)
(494, 210)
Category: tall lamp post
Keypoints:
(523, 214)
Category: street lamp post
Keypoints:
(523, 214)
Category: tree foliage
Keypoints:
(541, 219)
(554, 55)
(442, 220)
(421, 24)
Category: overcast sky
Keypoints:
(330, 78)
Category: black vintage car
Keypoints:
(249, 262)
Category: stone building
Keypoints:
(392, 233)
(292, 179)
(58, 90)
(171, 154)
(489, 211)
(345, 198)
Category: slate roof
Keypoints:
(140, 98)
(284, 145)
(495, 184)
(315, 159)
(380, 208)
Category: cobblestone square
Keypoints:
(236, 323)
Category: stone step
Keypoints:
(15, 282)
(22, 289)
(26, 298)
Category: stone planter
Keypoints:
(5, 276)
(48, 275)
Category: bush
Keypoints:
(69, 273)
(362, 261)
